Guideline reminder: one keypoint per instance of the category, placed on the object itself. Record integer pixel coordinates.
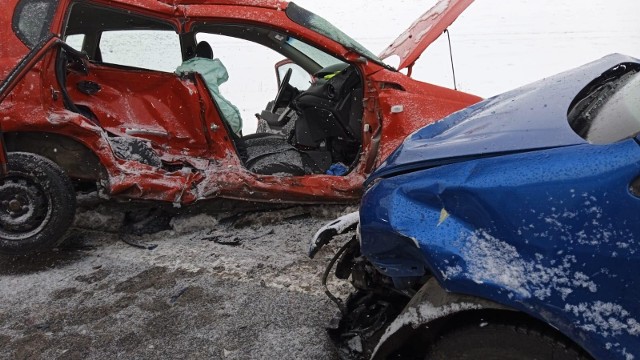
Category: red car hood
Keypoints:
(410, 45)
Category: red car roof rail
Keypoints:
(273, 4)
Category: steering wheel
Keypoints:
(281, 89)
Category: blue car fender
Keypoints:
(430, 307)
(550, 233)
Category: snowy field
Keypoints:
(241, 287)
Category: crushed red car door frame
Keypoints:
(384, 90)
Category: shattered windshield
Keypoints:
(319, 57)
(611, 112)
(318, 24)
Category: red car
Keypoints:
(73, 113)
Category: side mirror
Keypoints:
(300, 79)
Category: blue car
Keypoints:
(508, 230)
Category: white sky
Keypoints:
(497, 44)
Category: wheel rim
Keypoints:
(25, 208)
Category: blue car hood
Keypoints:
(528, 118)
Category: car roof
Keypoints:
(166, 7)
(272, 4)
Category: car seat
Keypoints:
(204, 50)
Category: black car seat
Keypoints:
(204, 50)
(272, 154)
(328, 129)
(331, 115)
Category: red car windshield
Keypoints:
(318, 24)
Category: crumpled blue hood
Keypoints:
(528, 118)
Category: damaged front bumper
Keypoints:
(338, 226)
(357, 330)
(373, 305)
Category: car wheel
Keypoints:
(501, 342)
(37, 204)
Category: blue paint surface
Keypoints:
(531, 117)
(547, 225)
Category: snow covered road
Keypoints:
(235, 288)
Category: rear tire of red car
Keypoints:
(37, 204)
(502, 342)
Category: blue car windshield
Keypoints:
(316, 23)
(610, 112)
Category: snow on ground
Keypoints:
(216, 286)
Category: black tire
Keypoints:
(37, 205)
(495, 341)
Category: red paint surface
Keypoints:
(424, 31)
(176, 114)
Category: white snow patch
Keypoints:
(452, 271)
(605, 318)
(58, 118)
(616, 348)
(491, 260)
(627, 355)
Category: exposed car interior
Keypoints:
(320, 128)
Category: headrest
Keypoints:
(203, 50)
